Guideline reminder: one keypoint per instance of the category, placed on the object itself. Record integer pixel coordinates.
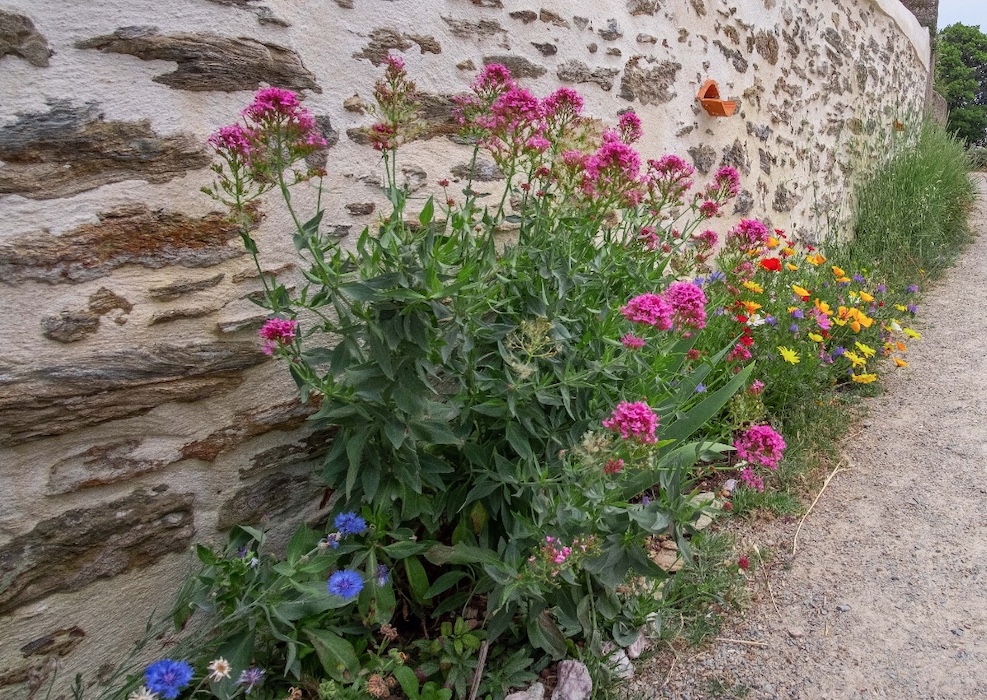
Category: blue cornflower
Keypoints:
(350, 524)
(794, 328)
(700, 388)
(250, 678)
(797, 313)
(382, 577)
(167, 677)
(912, 288)
(912, 309)
(346, 584)
(771, 321)
(881, 289)
(838, 351)
(699, 281)
(717, 276)
(858, 278)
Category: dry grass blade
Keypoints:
(836, 470)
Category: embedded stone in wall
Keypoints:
(247, 424)
(102, 464)
(133, 235)
(70, 326)
(550, 17)
(483, 171)
(54, 399)
(643, 7)
(762, 133)
(703, 157)
(264, 14)
(574, 71)
(648, 80)
(735, 57)
(313, 447)
(743, 204)
(209, 61)
(320, 158)
(611, 32)
(546, 49)
(170, 292)
(361, 208)
(70, 551)
(496, 4)
(519, 66)
(736, 156)
(384, 40)
(465, 29)
(103, 301)
(436, 116)
(18, 37)
(766, 44)
(699, 6)
(271, 496)
(71, 149)
(784, 199)
(525, 16)
(415, 178)
(180, 314)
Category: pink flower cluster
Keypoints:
(613, 466)
(276, 331)
(629, 126)
(669, 178)
(649, 309)
(612, 171)
(633, 342)
(634, 421)
(557, 553)
(749, 233)
(689, 304)
(762, 445)
(276, 125)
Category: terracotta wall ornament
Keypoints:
(715, 106)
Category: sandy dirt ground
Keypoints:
(886, 596)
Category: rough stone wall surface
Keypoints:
(926, 11)
(137, 414)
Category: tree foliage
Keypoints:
(961, 78)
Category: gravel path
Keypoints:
(886, 596)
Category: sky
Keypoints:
(966, 11)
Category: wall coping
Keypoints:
(908, 23)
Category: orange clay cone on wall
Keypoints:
(709, 98)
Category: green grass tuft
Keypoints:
(911, 213)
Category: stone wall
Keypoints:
(137, 414)
(926, 11)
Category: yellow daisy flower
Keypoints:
(863, 378)
(789, 355)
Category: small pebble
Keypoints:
(843, 607)
(796, 632)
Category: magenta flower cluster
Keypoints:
(276, 331)
(650, 310)
(748, 233)
(760, 445)
(689, 303)
(634, 421)
(275, 125)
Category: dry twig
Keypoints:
(836, 470)
(745, 642)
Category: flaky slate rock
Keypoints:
(246, 424)
(72, 148)
(72, 550)
(271, 496)
(102, 464)
(54, 399)
(70, 326)
(519, 66)
(649, 80)
(18, 37)
(209, 61)
(573, 71)
(131, 235)
(383, 40)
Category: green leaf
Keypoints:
(408, 681)
(425, 218)
(444, 583)
(462, 554)
(545, 634)
(407, 548)
(354, 452)
(519, 441)
(336, 654)
(417, 578)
